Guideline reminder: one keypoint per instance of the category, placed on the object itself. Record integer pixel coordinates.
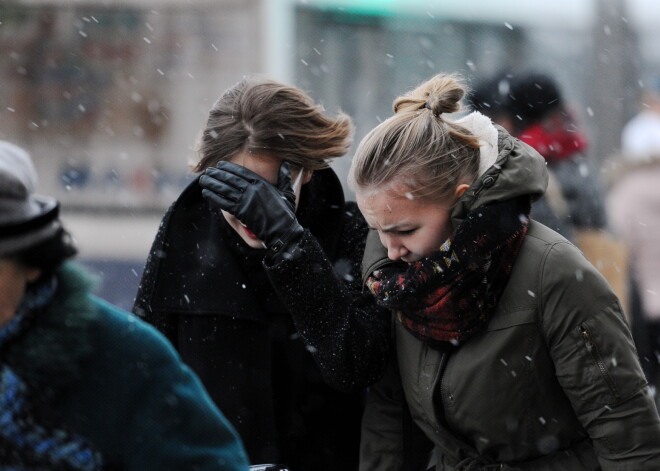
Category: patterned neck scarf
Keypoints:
(26, 442)
(451, 294)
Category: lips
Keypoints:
(249, 233)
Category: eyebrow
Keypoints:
(394, 228)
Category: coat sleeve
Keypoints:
(381, 440)
(343, 327)
(596, 362)
(390, 439)
(156, 412)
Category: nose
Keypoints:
(395, 249)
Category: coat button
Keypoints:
(451, 397)
(488, 181)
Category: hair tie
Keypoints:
(426, 105)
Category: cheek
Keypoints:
(444, 231)
(233, 222)
(297, 191)
(383, 239)
(230, 218)
(11, 294)
(435, 236)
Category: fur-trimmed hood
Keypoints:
(509, 168)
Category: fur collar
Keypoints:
(482, 127)
(48, 354)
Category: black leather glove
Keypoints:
(267, 210)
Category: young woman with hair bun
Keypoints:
(512, 351)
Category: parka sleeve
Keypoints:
(340, 322)
(381, 440)
(390, 439)
(596, 362)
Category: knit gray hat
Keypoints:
(26, 219)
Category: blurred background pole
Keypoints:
(614, 88)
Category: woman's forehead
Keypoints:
(396, 199)
(395, 189)
(264, 165)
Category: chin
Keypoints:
(253, 243)
(249, 241)
(239, 229)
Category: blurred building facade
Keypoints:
(109, 96)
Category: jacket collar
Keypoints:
(194, 268)
(518, 170)
(47, 355)
(321, 208)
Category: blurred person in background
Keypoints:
(255, 257)
(512, 349)
(491, 98)
(84, 385)
(640, 137)
(634, 209)
(542, 119)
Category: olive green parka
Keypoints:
(552, 383)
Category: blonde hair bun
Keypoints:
(419, 146)
(440, 94)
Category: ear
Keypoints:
(307, 176)
(460, 189)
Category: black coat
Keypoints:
(240, 324)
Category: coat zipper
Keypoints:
(595, 355)
(443, 369)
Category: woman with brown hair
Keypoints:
(258, 254)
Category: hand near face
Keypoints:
(267, 210)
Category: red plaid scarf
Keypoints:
(451, 294)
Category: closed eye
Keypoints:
(397, 232)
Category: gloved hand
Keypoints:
(267, 210)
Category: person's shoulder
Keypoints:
(544, 234)
(564, 271)
(540, 239)
(118, 330)
(556, 260)
(352, 223)
(539, 242)
(352, 214)
(551, 247)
